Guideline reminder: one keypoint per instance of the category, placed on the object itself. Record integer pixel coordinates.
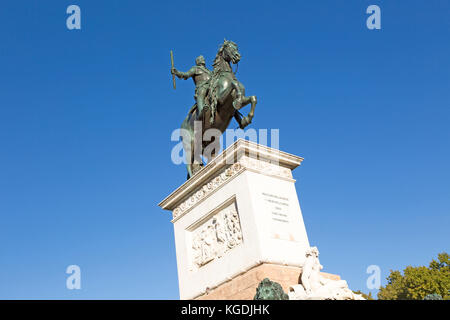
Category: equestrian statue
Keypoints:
(218, 98)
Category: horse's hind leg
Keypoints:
(188, 144)
(189, 160)
(193, 162)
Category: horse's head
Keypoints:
(230, 52)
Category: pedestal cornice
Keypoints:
(241, 155)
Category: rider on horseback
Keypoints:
(201, 76)
(217, 93)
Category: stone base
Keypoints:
(239, 211)
(243, 287)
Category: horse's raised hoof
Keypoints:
(245, 122)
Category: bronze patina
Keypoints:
(219, 97)
(270, 290)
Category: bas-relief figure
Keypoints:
(215, 237)
(219, 96)
(314, 286)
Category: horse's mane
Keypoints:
(218, 59)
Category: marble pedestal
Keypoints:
(239, 212)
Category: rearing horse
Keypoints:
(225, 97)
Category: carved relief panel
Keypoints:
(218, 234)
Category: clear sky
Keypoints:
(86, 117)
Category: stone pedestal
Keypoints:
(237, 219)
(243, 287)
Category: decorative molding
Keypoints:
(219, 234)
(233, 154)
(206, 190)
(265, 167)
(245, 162)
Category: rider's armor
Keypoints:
(201, 76)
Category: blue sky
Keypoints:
(86, 117)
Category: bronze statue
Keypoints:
(219, 96)
(270, 290)
(201, 76)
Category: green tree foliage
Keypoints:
(417, 282)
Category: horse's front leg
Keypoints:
(245, 121)
(238, 117)
(243, 101)
(253, 101)
(239, 94)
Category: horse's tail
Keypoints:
(213, 98)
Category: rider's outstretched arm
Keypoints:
(184, 75)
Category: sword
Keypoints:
(173, 76)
